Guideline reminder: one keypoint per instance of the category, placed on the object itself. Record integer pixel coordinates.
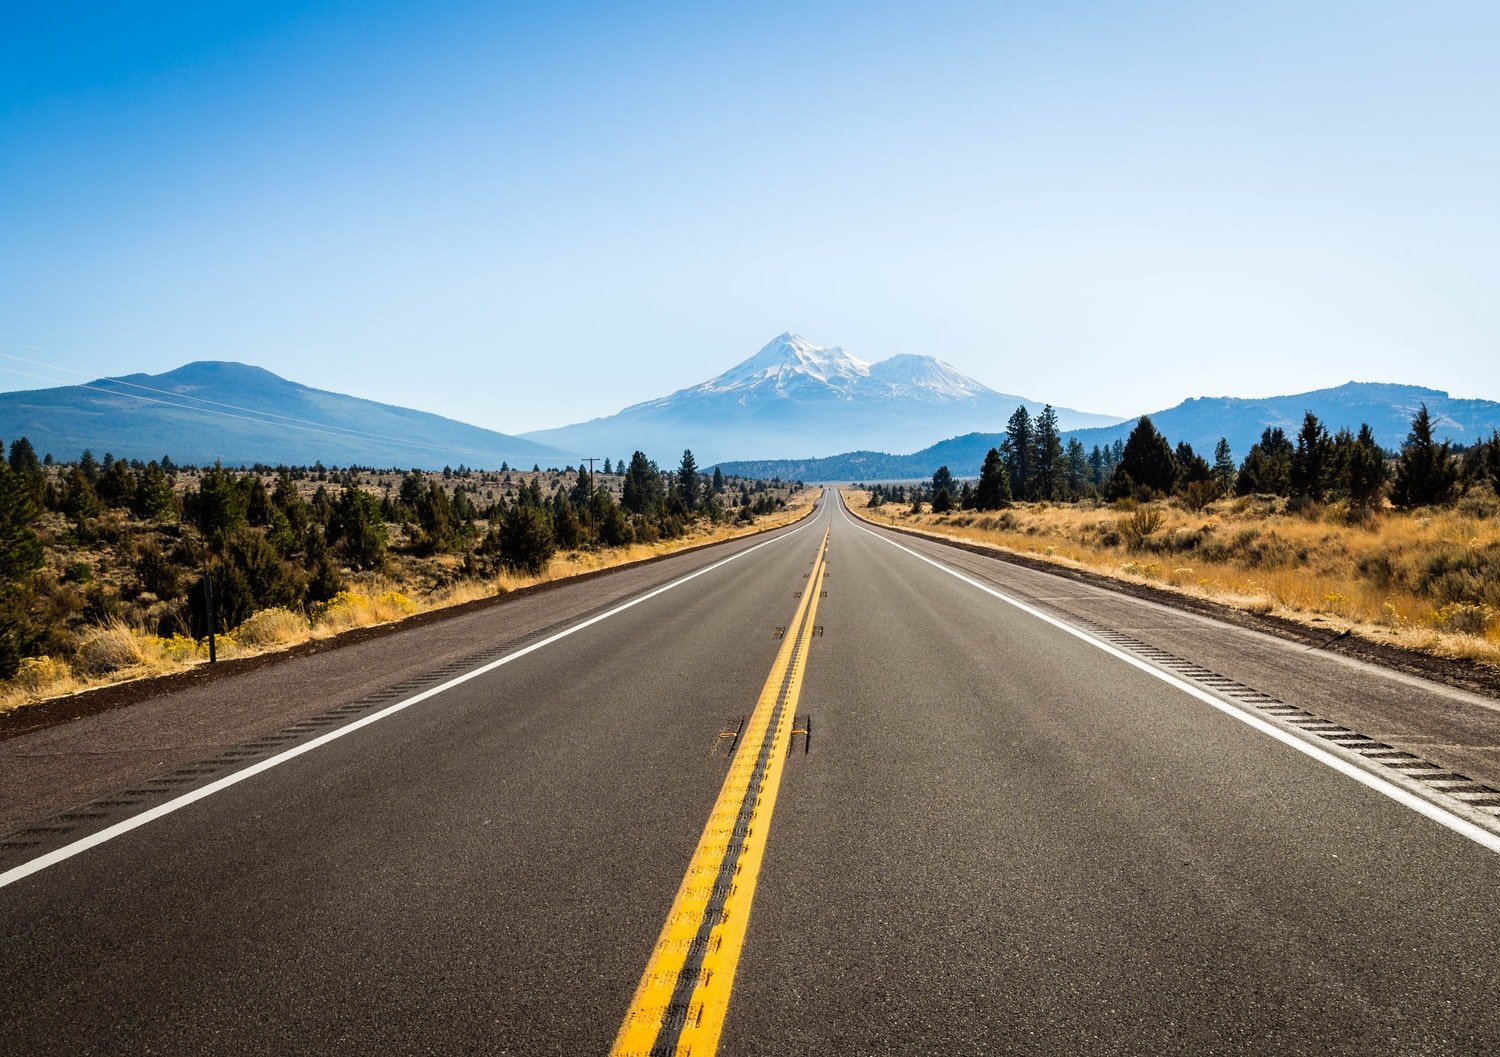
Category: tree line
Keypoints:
(1033, 464)
(266, 542)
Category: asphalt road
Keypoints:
(1003, 838)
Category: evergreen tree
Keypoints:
(1364, 468)
(20, 556)
(258, 506)
(582, 489)
(217, 507)
(1147, 458)
(116, 484)
(25, 465)
(154, 498)
(1048, 468)
(525, 540)
(567, 530)
(358, 530)
(79, 501)
(606, 466)
(324, 579)
(611, 524)
(1309, 473)
(1425, 473)
(1482, 463)
(993, 491)
(718, 485)
(23, 460)
(1267, 468)
(687, 481)
(642, 489)
(1076, 463)
(1190, 465)
(1018, 450)
(20, 546)
(942, 491)
(1099, 465)
(1224, 467)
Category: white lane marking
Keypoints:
(93, 840)
(1405, 797)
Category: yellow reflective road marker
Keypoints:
(680, 1003)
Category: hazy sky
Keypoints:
(523, 216)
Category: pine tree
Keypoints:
(718, 485)
(1482, 463)
(358, 529)
(1076, 464)
(1048, 468)
(1224, 467)
(1309, 473)
(25, 465)
(566, 528)
(1425, 473)
(154, 498)
(1147, 459)
(20, 546)
(942, 490)
(1364, 468)
(217, 506)
(1190, 465)
(1267, 468)
(1018, 450)
(525, 539)
(606, 466)
(993, 490)
(687, 481)
(642, 489)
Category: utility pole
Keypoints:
(211, 616)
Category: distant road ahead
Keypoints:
(1000, 837)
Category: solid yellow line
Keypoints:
(709, 1002)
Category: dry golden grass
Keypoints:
(1427, 580)
(117, 652)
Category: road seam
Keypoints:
(682, 999)
(1348, 767)
(83, 844)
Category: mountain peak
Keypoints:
(787, 359)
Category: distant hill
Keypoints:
(242, 415)
(794, 397)
(1200, 421)
(1388, 409)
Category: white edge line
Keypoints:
(1406, 798)
(109, 833)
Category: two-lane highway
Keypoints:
(1004, 838)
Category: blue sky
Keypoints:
(523, 216)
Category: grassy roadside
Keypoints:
(122, 652)
(1427, 580)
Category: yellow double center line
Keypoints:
(680, 1003)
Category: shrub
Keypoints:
(1463, 618)
(269, 627)
(37, 674)
(1139, 524)
(108, 649)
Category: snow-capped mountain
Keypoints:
(797, 399)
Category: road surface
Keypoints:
(1029, 817)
